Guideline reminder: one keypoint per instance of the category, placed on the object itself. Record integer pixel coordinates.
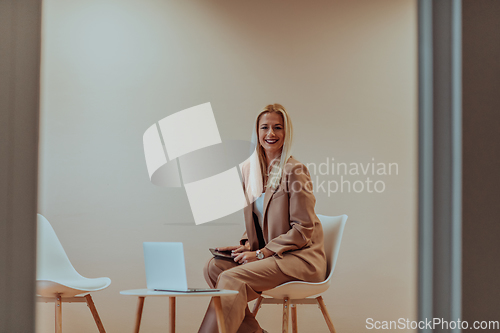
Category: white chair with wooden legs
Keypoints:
(56, 278)
(299, 292)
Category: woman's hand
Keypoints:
(245, 257)
(241, 253)
(249, 256)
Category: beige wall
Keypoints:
(346, 70)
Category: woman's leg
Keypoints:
(249, 280)
(249, 323)
(214, 267)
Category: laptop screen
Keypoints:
(165, 266)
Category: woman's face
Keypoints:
(271, 133)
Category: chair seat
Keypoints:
(71, 287)
(297, 290)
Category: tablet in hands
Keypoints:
(222, 254)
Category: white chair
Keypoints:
(56, 278)
(299, 292)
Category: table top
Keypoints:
(149, 292)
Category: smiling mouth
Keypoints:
(271, 141)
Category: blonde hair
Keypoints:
(258, 165)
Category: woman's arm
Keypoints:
(302, 215)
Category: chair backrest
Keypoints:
(333, 227)
(52, 261)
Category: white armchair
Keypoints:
(56, 278)
(299, 292)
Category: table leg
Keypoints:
(172, 314)
(219, 314)
(140, 306)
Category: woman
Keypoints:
(283, 239)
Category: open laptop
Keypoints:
(166, 269)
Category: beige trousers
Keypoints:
(249, 280)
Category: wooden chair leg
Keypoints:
(286, 307)
(325, 314)
(92, 308)
(140, 306)
(58, 313)
(294, 318)
(256, 306)
(219, 314)
(172, 314)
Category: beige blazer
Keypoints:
(291, 228)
